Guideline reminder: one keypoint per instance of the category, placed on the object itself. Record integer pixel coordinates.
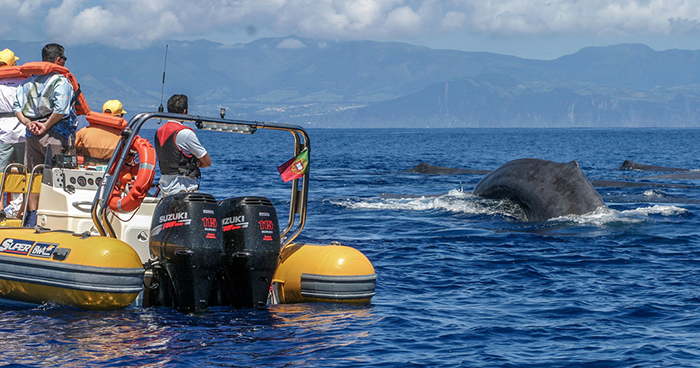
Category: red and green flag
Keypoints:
(296, 167)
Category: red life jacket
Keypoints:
(171, 159)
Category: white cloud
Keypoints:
(135, 23)
(573, 17)
(453, 20)
(291, 43)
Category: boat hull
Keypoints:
(86, 272)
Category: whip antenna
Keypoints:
(162, 87)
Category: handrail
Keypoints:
(8, 170)
(299, 196)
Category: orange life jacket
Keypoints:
(11, 72)
(42, 67)
(101, 119)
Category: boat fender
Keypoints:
(323, 273)
(142, 179)
(42, 67)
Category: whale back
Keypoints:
(543, 189)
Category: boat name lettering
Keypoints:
(173, 217)
(233, 220)
(44, 250)
(16, 246)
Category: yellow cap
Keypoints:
(8, 57)
(113, 107)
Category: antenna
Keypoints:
(162, 87)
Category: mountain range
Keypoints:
(367, 84)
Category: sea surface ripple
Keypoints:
(462, 281)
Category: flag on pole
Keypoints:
(296, 167)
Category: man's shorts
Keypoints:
(35, 152)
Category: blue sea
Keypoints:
(462, 281)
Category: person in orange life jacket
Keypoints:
(96, 143)
(180, 155)
(44, 103)
(12, 132)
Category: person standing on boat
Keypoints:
(12, 132)
(96, 143)
(180, 154)
(44, 104)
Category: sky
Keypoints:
(534, 29)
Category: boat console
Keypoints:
(67, 196)
(77, 179)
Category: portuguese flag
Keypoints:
(296, 167)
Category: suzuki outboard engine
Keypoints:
(187, 248)
(252, 247)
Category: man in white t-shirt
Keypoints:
(180, 154)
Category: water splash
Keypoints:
(455, 201)
(464, 202)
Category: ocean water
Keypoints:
(462, 281)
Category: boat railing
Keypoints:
(300, 187)
(14, 187)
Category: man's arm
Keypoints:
(39, 128)
(204, 161)
(192, 144)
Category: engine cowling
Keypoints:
(187, 248)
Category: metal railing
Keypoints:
(300, 187)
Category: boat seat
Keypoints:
(18, 181)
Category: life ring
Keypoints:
(125, 200)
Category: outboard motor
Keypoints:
(252, 246)
(186, 243)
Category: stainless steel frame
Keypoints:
(300, 187)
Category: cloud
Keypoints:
(573, 17)
(136, 23)
(291, 43)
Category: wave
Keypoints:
(607, 216)
(461, 202)
(456, 201)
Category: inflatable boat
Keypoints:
(105, 240)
